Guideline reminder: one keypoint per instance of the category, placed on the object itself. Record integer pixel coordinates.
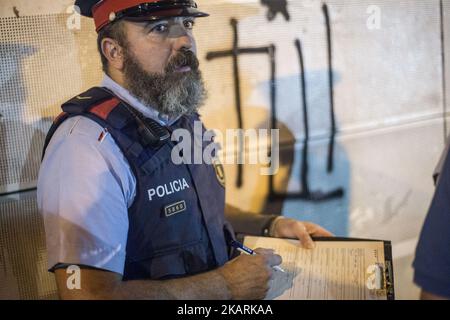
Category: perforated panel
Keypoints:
(42, 63)
(23, 258)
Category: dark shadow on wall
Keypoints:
(18, 137)
(22, 239)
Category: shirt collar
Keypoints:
(126, 96)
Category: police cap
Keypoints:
(107, 11)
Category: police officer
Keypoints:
(115, 203)
(432, 261)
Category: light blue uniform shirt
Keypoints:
(85, 187)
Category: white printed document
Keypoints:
(336, 269)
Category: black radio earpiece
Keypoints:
(152, 133)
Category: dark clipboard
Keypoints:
(389, 265)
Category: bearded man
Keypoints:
(119, 213)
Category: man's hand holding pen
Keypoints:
(248, 276)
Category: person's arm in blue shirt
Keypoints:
(432, 261)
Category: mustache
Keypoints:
(183, 59)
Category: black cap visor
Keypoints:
(163, 14)
(140, 13)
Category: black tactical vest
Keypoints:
(176, 222)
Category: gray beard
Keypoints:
(171, 93)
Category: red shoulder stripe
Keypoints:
(103, 109)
